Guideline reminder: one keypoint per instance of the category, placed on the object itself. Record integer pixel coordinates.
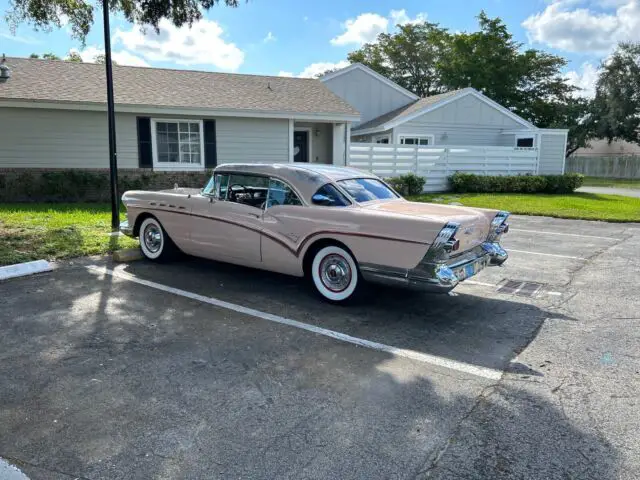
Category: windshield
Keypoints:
(367, 189)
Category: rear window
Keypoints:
(367, 189)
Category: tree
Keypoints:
(102, 59)
(617, 101)
(409, 57)
(74, 57)
(427, 60)
(46, 56)
(80, 13)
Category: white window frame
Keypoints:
(431, 139)
(386, 136)
(172, 167)
(526, 136)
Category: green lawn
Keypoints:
(611, 182)
(587, 206)
(51, 231)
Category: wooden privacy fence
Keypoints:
(436, 163)
(608, 167)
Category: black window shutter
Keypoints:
(145, 157)
(210, 149)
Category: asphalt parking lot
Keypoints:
(199, 370)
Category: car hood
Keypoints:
(474, 223)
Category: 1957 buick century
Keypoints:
(337, 226)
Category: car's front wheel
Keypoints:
(335, 274)
(154, 241)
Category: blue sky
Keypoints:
(293, 37)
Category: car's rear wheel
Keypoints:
(335, 274)
(154, 241)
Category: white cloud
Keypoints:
(366, 27)
(202, 44)
(585, 80)
(400, 17)
(572, 26)
(315, 69)
(269, 38)
(363, 29)
(121, 57)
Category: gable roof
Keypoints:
(427, 104)
(373, 73)
(60, 82)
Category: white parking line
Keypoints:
(483, 372)
(545, 254)
(560, 233)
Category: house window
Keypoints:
(386, 139)
(526, 141)
(177, 144)
(416, 139)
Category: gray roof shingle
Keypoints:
(406, 110)
(59, 81)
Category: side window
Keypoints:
(245, 189)
(281, 194)
(210, 187)
(329, 196)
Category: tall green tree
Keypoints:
(427, 60)
(45, 14)
(617, 101)
(410, 57)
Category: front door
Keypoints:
(301, 146)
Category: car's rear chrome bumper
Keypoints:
(126, 229)
(440, 277)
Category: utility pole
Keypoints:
(111, 115)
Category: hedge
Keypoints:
(408, 184)
(25, 185)
(471, 183)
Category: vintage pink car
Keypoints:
(337, 226)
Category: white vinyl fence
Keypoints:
(439, 162)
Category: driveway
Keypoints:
(626, 192)
(202, 370)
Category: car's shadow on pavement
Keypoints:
(102, 378)
(475, 329)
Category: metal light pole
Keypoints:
(111, 115)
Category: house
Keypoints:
(390, 114)
(52, 116)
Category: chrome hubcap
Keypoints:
(152, 238)
(335, 272)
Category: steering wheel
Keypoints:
(232, 194)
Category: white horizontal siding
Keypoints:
(465, 121)
(368, 94)
(40, 138)
(552, 153)
(252, 140)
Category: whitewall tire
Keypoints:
(154, 242)
(335, 274)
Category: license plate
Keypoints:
(470, 270)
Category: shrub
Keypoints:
(407, 184)
(472, 183)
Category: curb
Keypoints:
(24, 269)
(127, 255)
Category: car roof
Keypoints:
(306, 178)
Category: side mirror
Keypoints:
(319, 199)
